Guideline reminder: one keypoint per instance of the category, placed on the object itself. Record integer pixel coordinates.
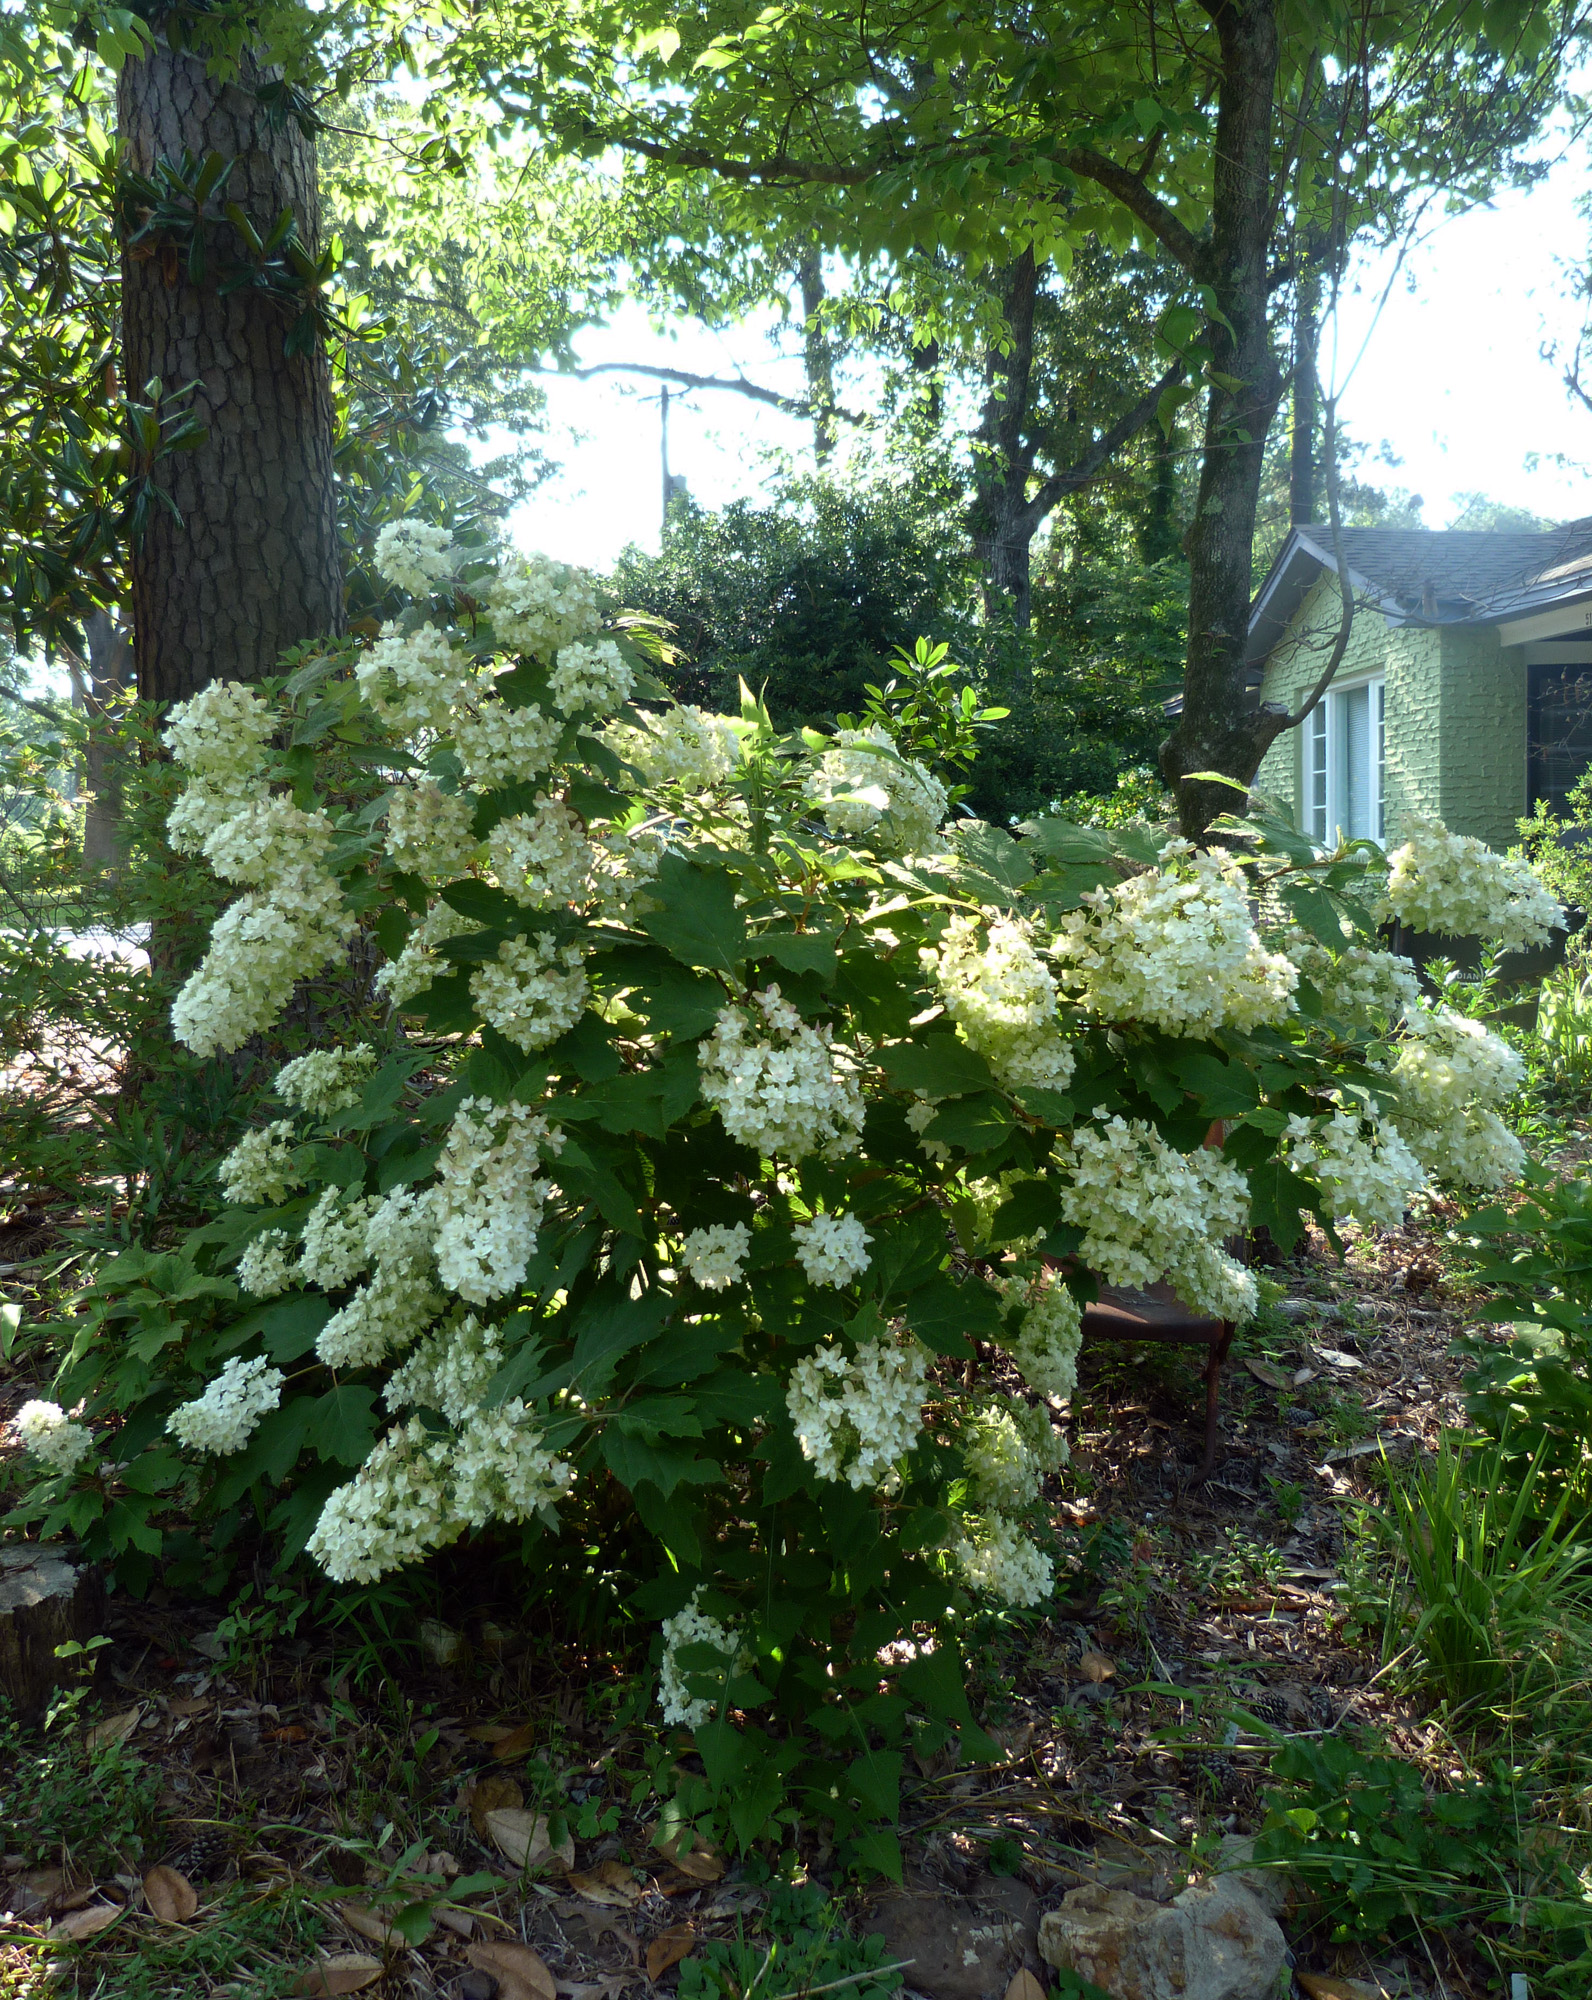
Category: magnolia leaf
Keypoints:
(170, 1895)
(522, 1838)
(343, 1972)
(610, 1883)
(366, 1923)
(668, 1948)
(520, 1973)
(1267, 1372)
(80, 1924)
(114, 1729)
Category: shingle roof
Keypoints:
(1427, 576)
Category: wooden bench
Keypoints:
(1158, 1314)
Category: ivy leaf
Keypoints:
(797, 951)
(341, 1425)
(1032, 1208)
(976, 1124)
(1316, 911)
(483, 904)
(608, 1326)
(943, 1313)
(1276, 1196)
(697, 921)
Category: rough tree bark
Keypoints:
(1218, 729)
(254, 566)
(820, 360)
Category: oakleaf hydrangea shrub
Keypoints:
(759, 1135)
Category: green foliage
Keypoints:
(1488, 1587)
(1387, 1854)
(62, 1798)
(254, 1939)
(808, 1950)
(807, 601)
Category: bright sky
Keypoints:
(1454, 380)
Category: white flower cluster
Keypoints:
(260, 1167)
(429, 832)
(449, 1371)
(863, 785)
(1008, 1449)
(683, 746)
(269, 1265)
(226, 1416)
(716, 1256)
(627, 860)
(591, 676)
(537, 605)
(691, 1627)
(1044, 1350)
(1451, 1073)
(501, 1472)
(389, 1313)
(490, 1197)
(415, 555)
(261, 947)
(832, 1249)
(1360, 1162)
(997, 1559)
(418, 964)
(1003, 1000)
(326, 1081)
(781, 1092)
(414, 680)
(1174, 947)
(534, 992)
(46, 1430)
(1359, 985)
(855, 1416)
(1452, 884)
(267, 838)
(499, 744)
(335, 1250)
(542, 857)
(1149, 1212)
(219, 738)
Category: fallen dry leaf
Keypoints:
(1025, 1986)
(489, 1732)
(1303, 1375)
(1096, 1666)
(365, 1923)
(521, 1837)
(343, 1972)
(1267, 1372)
(670, 1946)
(610, 1883)
(518, 1743)
(1331, 1986)
(702, 1864)
(191, 1704)
(170, 1895)
(290, 1732)
(519, 1972)
(458, 1921)
(80, 1924)
(114, 1729)
(493, 1793)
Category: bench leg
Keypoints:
(1213, 1385)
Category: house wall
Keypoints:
(1455, 715)
(1482, 736)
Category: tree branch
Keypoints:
(1175, 236)
(1105, 447)
(793, 406)
(779, 167)
(1340, 642)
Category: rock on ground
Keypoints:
(1215, 1941)
(961, 1947)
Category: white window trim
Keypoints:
(1324, 815)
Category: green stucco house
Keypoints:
(1466, 689)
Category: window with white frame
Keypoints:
(1345, 763)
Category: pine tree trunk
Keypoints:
(254, 567)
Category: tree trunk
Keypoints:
(48, 1597)
(1158, 538)
(1302, 441)
(1217, 729)
(818, 356)
(1003, 457)
(110, 662)
(254, 565)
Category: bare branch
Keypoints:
(793, 406)
(1340, 642)
(1135, 196)
(1105, 448)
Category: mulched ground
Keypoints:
(1191, 1603)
